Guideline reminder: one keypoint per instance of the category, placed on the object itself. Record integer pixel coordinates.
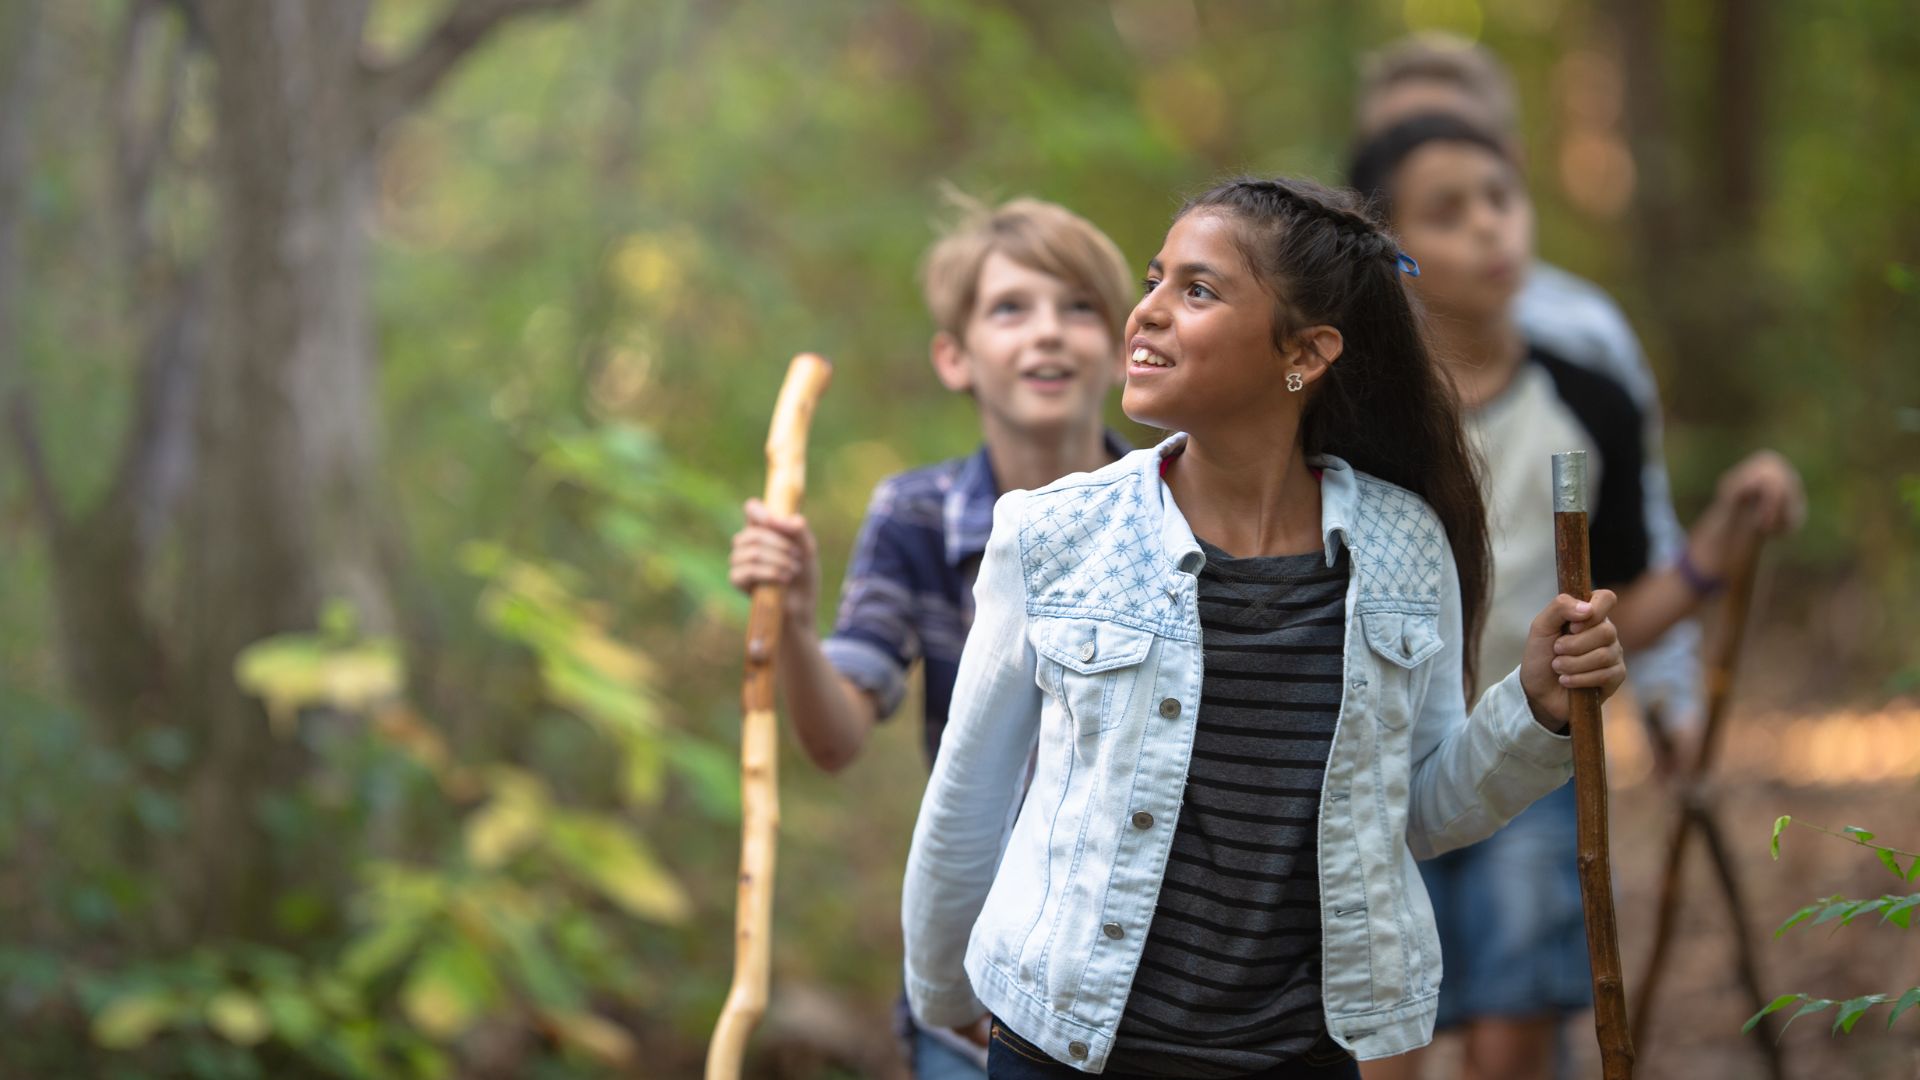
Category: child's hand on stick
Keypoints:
(1762, 493)
(773, 550)
(1768, 487)
(1572, 644)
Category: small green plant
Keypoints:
(1894, 909)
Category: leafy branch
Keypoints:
(1889, 856)
(1851, 1010)
(1894, 909)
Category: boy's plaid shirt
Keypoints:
(908, 594)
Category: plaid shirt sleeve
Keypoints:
(875, 638)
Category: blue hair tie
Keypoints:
(1407, 265)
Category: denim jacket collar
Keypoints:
(1339, 505)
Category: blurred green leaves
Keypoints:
(1842, 911)
(513, 922)
(593, 255)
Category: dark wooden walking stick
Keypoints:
(1575, 566)
(806, 379)
(1695, 813)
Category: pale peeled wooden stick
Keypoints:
(807, 378)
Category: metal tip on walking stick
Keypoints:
(1570, 482)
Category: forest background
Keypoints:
(381, 380)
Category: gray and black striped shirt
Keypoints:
(1229, 977)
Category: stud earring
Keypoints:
(1293, 380)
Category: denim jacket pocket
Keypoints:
(1083, 661)
(1405, 640)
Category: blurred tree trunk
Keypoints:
(283, 512)
(110, 646)
(18, 83)
(1695, 204)
(286, 512)
(253, 445)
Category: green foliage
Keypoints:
(534, 912)
(333, 668)
(1892, 909)
(592, 254)
(1910, 494)
(1889, 857)
(1851, 1010)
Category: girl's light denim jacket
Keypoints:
(1086, 653)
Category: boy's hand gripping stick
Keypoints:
(807, 378)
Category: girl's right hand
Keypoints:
(773, 550)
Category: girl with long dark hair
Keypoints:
(1241, 662)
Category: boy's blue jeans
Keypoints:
(1512, 933)
(935, 1059)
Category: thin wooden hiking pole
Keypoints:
(1694, 813)
(807, 378)
(1767, 1039)
(1574, 563)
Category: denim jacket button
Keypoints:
(1087, 651)
(1076, 1050)
(1170, 708)
(1113, 930)
(1359, 682)
(1142, 819)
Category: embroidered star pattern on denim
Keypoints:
(1402, 550)
(1097, 546)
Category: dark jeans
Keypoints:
(1010, 1057)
